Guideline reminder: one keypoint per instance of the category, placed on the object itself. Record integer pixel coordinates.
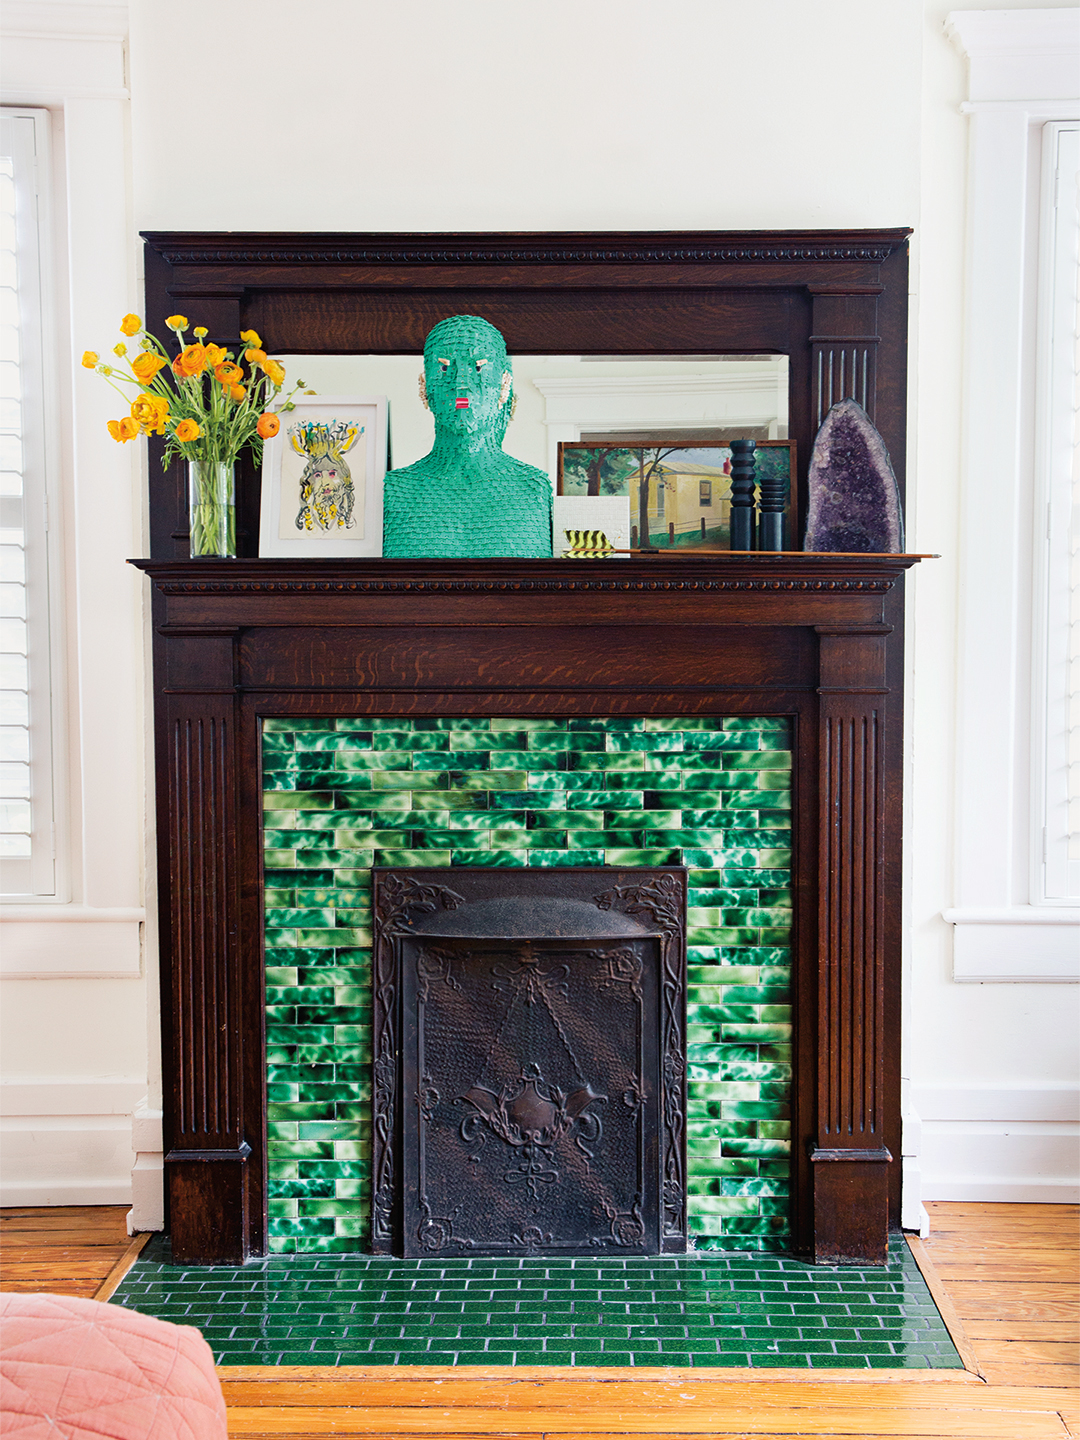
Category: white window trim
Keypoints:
(48, 871)
(78, 72)
(1023, 65)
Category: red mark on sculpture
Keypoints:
(461, 404)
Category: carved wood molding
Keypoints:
(700, 248)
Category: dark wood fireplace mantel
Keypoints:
(814, 637)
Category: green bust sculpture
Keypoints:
(467, 497)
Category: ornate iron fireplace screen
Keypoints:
(529, 1061)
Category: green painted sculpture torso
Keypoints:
(467, 497)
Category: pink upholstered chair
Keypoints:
(79, 1370)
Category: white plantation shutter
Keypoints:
(1058, 606)
(27, 860)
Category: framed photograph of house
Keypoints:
(680, 493)
(322, 478)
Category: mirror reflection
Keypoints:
(570, 399)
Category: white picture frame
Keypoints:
(318, 440)
(609, 513)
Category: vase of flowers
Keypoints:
(208, 409)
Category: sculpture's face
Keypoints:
(466, 374)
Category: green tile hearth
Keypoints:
(719, 1309)
(711, 793)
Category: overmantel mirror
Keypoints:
(718, 706)
(785, 324)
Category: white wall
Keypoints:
(356, 115)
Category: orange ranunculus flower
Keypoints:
(237, 392)
(146, 366)
(255, 356)
(123, 430)
(130, 325)
(177, 322)
(229, 374)
(215, 355)
(268, 425)
(251, 337)
(187, 430)
(191, 361)
(275, 371)
(114, 430)
(150, 413)
(89, 359)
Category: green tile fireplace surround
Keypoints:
(343, 795)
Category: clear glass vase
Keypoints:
(212, 508)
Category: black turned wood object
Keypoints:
(817, 638)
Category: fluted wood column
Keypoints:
(850, 1160)
(207, 1152)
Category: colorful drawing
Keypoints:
(326, 486)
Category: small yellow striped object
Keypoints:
(587, 545)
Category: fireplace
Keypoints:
(812, 641)
(530, 1061)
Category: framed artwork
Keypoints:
(588, 517)
(322, 478)
(679, 493)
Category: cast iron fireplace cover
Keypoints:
(529, 1044)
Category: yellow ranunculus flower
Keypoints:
(255, 356)
(150, 413)
(215, 355)
(187, 430)
(177, 322)
(130, 325)
(120, 349)
(146, 366)
(89, 359)
(191, 361)
(229, 374)
(122, 430)
(114, 430)
(275, 371)
(251, 337)
(201, 332)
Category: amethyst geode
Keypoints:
(854, 500)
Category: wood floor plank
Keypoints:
(983, 1300)
(91, 1236)
(1000, 1271)
(65, 1254)
(1023, 1330)
(810, 1419)
(85, 1288)
(40, 1270)
(1039, 1352)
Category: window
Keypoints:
(27, 848)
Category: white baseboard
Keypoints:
(67, 1141)
(1007, 1144)
(148, 1173)
(1059, 1191)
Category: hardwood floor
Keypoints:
(1006, 1275)
(70, 1250)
